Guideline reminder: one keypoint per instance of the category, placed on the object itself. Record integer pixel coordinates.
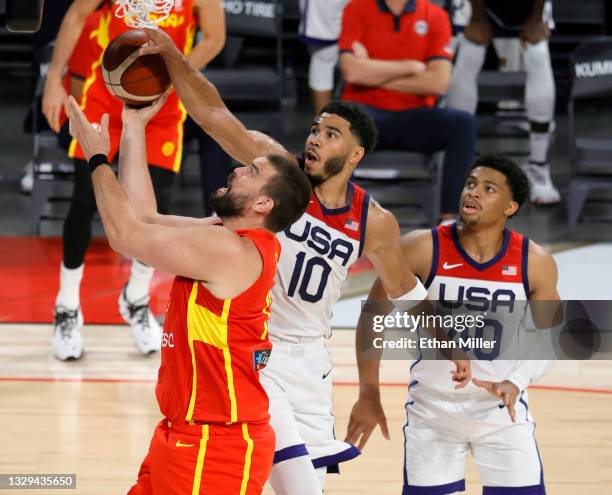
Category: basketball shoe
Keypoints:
(146, 332)
(67, 340)
(542, 191)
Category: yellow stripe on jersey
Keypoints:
(247, 459)
(205, 326)
(266, 311)
(101, 34)
(197, 476)
(178, 157)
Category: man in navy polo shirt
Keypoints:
(396, 62)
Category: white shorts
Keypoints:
(441, 430)
(298, 381)
(321, 20)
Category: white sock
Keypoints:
(538, 147)
(70, 285)
(295, 476)
(140, 279)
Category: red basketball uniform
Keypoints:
(215, 439)
(165, 130)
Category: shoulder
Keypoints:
(541, 267)
(417, 248)
(380, 223)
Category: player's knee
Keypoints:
(321, 70)
(540, 85)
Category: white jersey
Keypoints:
(317, 252)
(497, 289)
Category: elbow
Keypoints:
(440, 87)
(118, 238)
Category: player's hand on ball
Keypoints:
(94, 140)
(507, 391)
(367, 412)
(462, 373)
(142, 116)
(159, 42)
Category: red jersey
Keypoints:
(421, 32)
(213, 348)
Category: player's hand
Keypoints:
(479, 31)
(142, 116)
(359, 50)
(159, 42)
(367, 412)
(462, 372)
(94, 140)
(53, 100)
(534, 30)
(507, 391)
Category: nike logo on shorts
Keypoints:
(325, 375)
(181, 444)
(446, 266)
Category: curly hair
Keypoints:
(361, 125)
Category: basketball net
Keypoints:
(143, 13)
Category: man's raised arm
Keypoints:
(204, 104)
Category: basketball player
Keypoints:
(477, 255)
(164, 146)
(531, 21)
(215, 438)
(320, 23)
(340, 224)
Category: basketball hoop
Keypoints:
(143, 13)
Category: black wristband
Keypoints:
(97, 160)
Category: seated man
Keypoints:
(530, 21)
(396, 61)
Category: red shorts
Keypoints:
(207, 459)
(164, 133)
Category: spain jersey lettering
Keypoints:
(318, 251)
(213, 349)
(495, 289)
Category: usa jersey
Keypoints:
(496, 289)
(317, 252)
(213, 349)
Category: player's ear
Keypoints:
(263, 204)
(511, 209)
(356, 155)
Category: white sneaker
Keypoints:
(542, 191)
(146, 332)
(27, 181)
(67, 340)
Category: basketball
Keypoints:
(137, 81)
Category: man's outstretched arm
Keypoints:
(204, 104)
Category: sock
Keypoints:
(138, 285)
(538, 147)
(295, 476)
(70, 285)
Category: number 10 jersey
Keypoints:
(317, 252)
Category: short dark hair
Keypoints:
(516, 178)
(361, 125)
(290, 190)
